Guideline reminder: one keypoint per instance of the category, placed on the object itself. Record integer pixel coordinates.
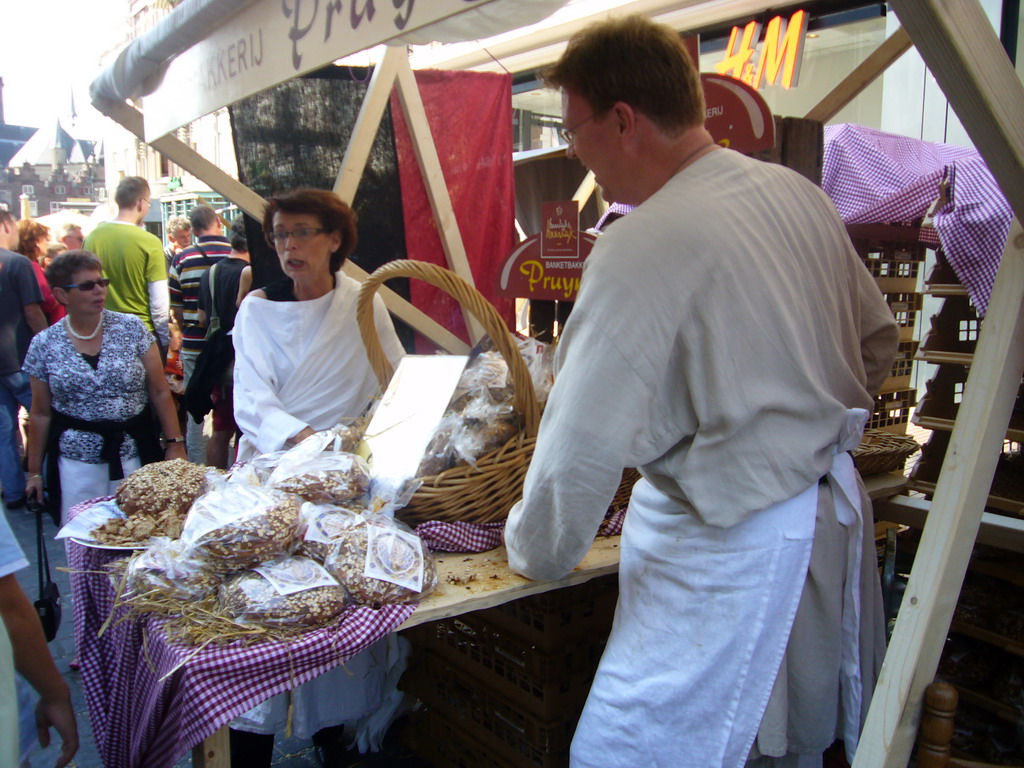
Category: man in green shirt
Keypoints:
(133, 259)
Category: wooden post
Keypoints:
(861, 77)
(937, 723)
(214, 752)
(368, 121)
(953, 521)
(433, 178)
(963, 53)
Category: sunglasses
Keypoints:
(88, 285)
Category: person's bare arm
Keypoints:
(33, 661)
(163, 403)
(35, 318)
(244, 284)
(38, 433)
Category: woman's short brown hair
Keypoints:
(31, 232)
(636, 61)
(64, 266)
(334, 214)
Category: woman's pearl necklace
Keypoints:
(79, 336)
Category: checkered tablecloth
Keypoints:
(875, 177)
(151, 701)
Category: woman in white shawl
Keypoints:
(300, 367)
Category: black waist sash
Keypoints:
(140, 428)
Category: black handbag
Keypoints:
(48, 604)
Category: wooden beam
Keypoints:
(861, 77)
(253, 204)
(1000, 531)
(214, 752)
(953, 521)
(433, 180)
(956, 40)
(368, 121)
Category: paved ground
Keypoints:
(289, 753)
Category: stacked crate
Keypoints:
(949, 345)
(505, 686)
(895, 258)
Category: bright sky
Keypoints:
(51, 48)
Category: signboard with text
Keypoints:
(272, 41)
(737, 116)
(779, 58)
(549, 265)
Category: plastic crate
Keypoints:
(954, 329)
(905, 308)
(900, 375)
(892, 411)
(552, 619)
(893, 275)
(519, 735)
(545, 682)
(444, 745)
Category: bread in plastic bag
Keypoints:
(380, 561)
(237, 526)
(166, 568)
(324, 524)
(317, 472)
(253, 597)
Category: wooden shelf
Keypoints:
(1000, 710)
(1008, 573)
(1010, 646)
(944, 289)
(944, 358)
(1013, 507)
(946, 425)
(997, 530)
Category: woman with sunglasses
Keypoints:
(94, 376)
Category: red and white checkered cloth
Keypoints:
(143, 721)
(875, 177)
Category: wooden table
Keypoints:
(472, 582)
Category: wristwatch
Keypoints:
(174, 439)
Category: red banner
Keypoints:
(470, 117)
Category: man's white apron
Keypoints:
(702, 623)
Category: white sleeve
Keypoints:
(159, 311)
(590, 431)
(258, 412)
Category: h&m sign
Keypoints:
(778, 61)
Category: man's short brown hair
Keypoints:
(635, 61)
(130, 190)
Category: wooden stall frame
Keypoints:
(962, 52)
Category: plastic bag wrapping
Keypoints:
(484, 427)
(317, 471)
(165, 567)
(289, 592)
(540, 361)
(485, 375)
(440, 455)
(380, 560)
(237, 526)
(257, 471)
(324, 524)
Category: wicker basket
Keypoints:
(486, 492)
(881, 451)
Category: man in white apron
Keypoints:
(727, 341)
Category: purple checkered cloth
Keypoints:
(461, 537)
(881, 178)
(142, 720)
(481, 537)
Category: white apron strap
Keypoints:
(842, 478)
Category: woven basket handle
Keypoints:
(470, 300)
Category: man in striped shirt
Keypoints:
(186, 272)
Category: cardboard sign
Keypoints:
(737, 115)
(560, 230)
(527, 274)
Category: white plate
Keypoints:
(97, 545)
